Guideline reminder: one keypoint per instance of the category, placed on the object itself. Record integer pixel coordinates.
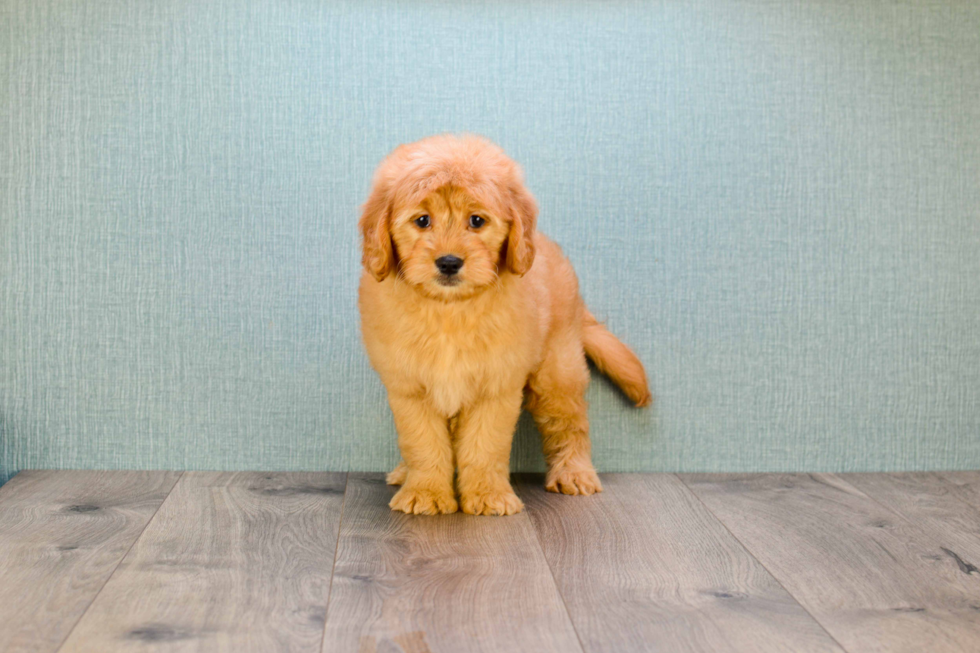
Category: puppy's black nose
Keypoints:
(449, 264)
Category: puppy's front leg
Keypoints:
(423, 437)
(483, 439)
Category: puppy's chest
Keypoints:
(450, 354)
(456, 360)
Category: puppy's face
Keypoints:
(449, 245)
(448, 215)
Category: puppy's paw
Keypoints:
(572, 481)
(423, 501)
(397, 475)
(495, 502)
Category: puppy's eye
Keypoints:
(422, 222)
(476, 221)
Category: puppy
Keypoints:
(467, 313)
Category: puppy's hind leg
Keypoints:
(398, 474)
(556, 399)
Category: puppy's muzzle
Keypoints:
(449, 264)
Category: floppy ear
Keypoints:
(520, 241)
(377, 256)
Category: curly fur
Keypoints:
(459, 357)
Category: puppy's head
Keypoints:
(448, 214)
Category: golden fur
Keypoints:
(459, 356)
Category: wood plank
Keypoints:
(232, 562)
(874, 580)
(644, 566)
(966, 486)
(930, 502)
(441, 584)
(62, 533)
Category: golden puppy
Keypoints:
(467, 312)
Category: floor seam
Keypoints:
(898, 513)
(118, 564)
(929, 535)
(551, 572)
(761, 564)
(333, 568)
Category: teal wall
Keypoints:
(777, 203)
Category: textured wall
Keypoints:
(777, 203)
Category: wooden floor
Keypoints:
(266, 562)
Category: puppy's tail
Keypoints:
(615, 360)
